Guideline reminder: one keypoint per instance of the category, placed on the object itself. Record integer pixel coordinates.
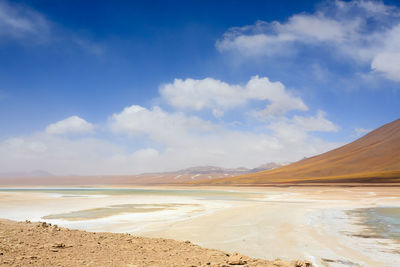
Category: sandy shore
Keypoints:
(289, 223)
(41, 244)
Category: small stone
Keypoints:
(300, 263)
(281, 263)
(58, 245)
(236, 259)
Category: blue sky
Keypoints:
(94, 87)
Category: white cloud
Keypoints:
(295, 130)
(388, 64)
(387, 60)
(358, 132)
(315, 27)
(201, 94)
(219, 96)
(367, 8)
(58, 154)
(85, 44)
(18, 21)
(190, 140)
(190, 144)
(366, 32)
(251, 40)
(140, 139)
(316, 123)
(158, 125)
(71, 125)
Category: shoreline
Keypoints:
(42, 244)
(260, 222)
(207, 186)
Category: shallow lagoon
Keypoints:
(81, 192)
(288, 222)
(379, 222)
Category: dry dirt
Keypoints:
(41, 244)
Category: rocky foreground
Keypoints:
(42, 244)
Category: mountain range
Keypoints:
(198, 173)
(373, 158)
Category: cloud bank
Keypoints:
(211, 94)
(363, 32)
(178, 132)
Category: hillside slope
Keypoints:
(374, 157)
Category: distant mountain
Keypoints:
(210, 170)
(35, 173)
(372, 158)
(198, 173)
(203, 170)
(267, 166)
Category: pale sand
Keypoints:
(287, 223)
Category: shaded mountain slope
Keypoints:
(374, 157)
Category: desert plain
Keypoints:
(319, 224)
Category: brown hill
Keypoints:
(374, 157)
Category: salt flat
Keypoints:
(272, 222)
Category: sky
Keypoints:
(125, 87)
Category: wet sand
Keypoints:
(270, 222)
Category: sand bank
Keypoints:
(40, 244)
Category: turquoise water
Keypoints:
(96, 213)
(380, 222)
(132, 194)
(206, 194)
